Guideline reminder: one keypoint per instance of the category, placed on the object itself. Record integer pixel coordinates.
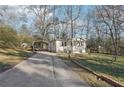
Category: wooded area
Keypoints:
(102, 26)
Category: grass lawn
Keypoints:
(11, 57)
(90, 78)
(101, 64)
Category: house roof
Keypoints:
(40, 41)
(69, 39)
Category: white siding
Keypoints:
(59, 47)
(52, 46)
(56, 46)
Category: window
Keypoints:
(65, 44)
(62, 44)
(71, 43)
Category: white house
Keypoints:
(75, 45)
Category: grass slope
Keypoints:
(11, 57)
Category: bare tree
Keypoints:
(72, 13)
(43, 14)
(112, 19)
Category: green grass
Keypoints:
(11, 57)
(101, 64)
(90, 78)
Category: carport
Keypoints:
(40, 46)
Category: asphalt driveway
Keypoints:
(41, 70)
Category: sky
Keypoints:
(19, 10)
(30, 17)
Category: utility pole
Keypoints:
(54, 22)
(71, 29)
